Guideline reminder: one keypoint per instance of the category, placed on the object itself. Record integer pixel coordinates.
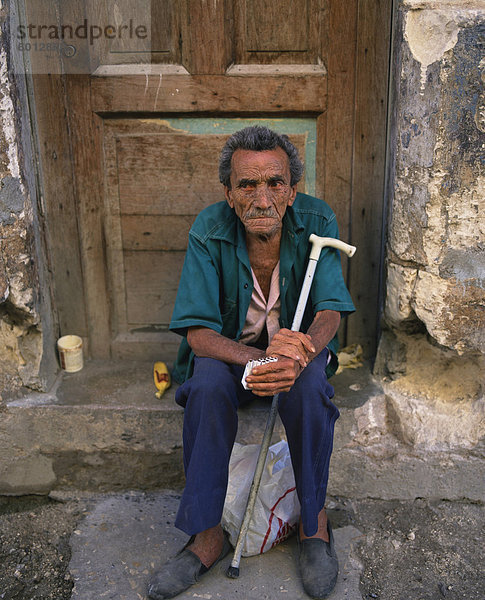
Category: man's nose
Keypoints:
(263, 196)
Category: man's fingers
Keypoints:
(273, 377)
(273, 384)
(294, 337)
(292, 344)
(277, 366)
(284, 375)
(272, 391)
(289, 352)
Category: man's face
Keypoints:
(260, 190)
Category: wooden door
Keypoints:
(136, 158)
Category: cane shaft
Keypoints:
(258, 472)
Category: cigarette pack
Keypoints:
(255, 363)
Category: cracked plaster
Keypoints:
(431, 355)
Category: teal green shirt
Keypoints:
(216, 283)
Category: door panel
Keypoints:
(151, 285)
(284, 32)
(159, 174)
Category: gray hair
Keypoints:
(258, 139)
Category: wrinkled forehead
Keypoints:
(250, 164)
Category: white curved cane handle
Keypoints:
(318, 243)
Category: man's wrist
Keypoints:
(252, 353)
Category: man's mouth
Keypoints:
(270, 214)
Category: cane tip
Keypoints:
(232, 572)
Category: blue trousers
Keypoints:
(211, 398)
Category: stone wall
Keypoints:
(431, 357)
(25, 318)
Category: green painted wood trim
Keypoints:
(228, 125)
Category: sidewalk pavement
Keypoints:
(125, 537)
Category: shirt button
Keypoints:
(246, 286)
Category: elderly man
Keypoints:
(240, 283)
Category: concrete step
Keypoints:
(103, 429)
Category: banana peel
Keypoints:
(161, 377)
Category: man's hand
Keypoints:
(292, 344)
(274, 377)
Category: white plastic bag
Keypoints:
(277, 509)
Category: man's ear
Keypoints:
(228, 193)
(293, 195)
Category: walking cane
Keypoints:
(317, 244)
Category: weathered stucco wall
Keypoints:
(25, 317)
(431, 356)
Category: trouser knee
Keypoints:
(310, 396)
(210, 401)
(210, 389)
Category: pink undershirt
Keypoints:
(261, 311)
